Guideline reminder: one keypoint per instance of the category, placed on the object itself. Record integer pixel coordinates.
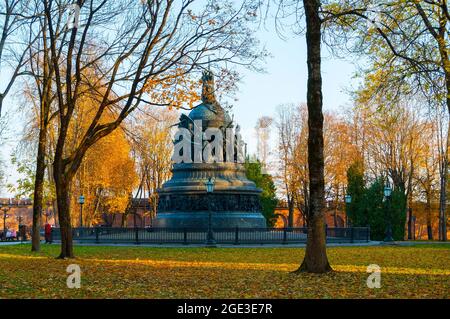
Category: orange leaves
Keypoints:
(174, 89)
(107, 174)
(340, 151)
(191, 15)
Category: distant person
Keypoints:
(13, 234)
(48, 233)
(22, 232)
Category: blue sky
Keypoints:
(286, 82)
(259, 93)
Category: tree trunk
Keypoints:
(290, 212)
(63, 202)
(443, 205)
(445, 161)
(38, 190)
(122, 222)
(315, 260)
(55, 213)
(410, 216)
(45, 100)
(428, 217)
(443, 187)
(429, 231)
(335, 213)
(1, 103)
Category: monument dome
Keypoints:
(183, 200)
(209, 110)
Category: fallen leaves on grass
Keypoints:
(130, 272)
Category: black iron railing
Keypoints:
(234, 236)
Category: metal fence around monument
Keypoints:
(234, 236)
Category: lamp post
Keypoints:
(387, 195)
(210, 241)
(21, 231)
(19, 219)
(348, 201)
(81, 202)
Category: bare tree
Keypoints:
(16, 18)
(309, 18)
(288, 125)
(408, 44)
(408, 31)
(262, 129)
(427, 170)
(151, 141)
(20, 24)
(42, 71)
(129, 53)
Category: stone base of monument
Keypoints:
(218, 220)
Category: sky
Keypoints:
(285, 82)
(259, 94)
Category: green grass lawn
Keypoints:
(421, 271)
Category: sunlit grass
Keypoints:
(142, 272)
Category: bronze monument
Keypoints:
(183, 200)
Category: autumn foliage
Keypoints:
(132, 272)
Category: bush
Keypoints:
(268, 197)
(369, 207)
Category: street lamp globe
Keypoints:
(387, 191)
(348, 199)
(81, 200)
(209, 185)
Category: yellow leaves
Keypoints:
(282, 267)
(12, 256)
(395, 270)
(174, 88)
(339, 151)
(139, 272)
(108, 165)
(107, 174)
(372, 83)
